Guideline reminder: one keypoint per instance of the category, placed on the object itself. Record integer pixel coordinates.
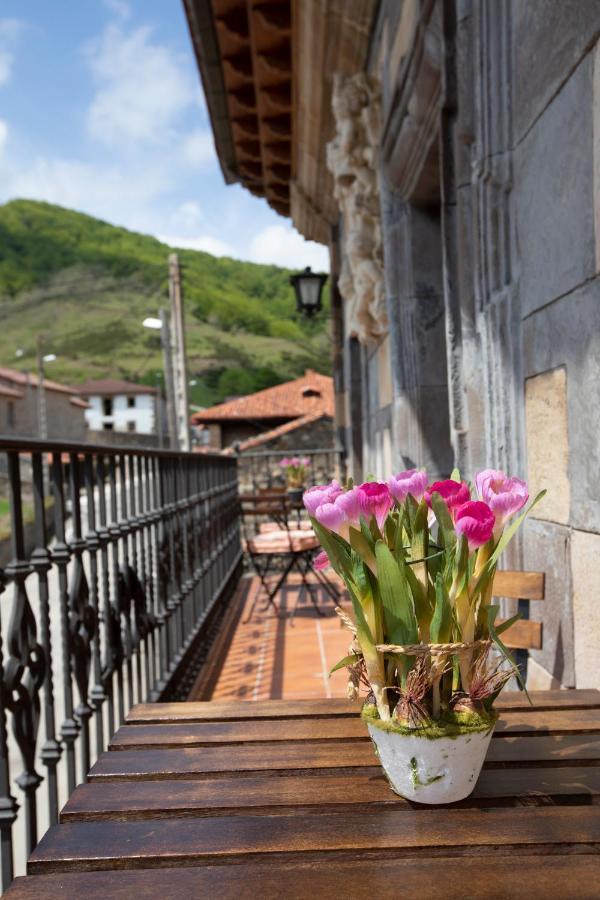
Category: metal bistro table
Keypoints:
(287, 799)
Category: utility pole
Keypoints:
(165, 339)
(178, 354)
(41, 395)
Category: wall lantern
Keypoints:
(308, 286)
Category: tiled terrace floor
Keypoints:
(273, 656)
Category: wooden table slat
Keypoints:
(313, 756)
(430, 832)
(330, 878)
(291, 709)
(297, 794)
(199, 734)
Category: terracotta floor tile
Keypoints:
(276, 656)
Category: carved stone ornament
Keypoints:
(352, 159)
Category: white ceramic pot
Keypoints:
(431, 770)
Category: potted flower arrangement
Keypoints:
(418, 561)
(295, 469)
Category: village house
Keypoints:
(120, 406)
(296, 415)
(19, 407)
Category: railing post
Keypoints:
(82, 618)
(107, 660)
(41, 563)
(93, 542)
(61, 556)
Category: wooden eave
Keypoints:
(250, 96)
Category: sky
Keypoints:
(102, 111)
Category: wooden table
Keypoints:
(280, 799)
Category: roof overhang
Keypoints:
(267, 68)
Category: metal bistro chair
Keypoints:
(275, 542)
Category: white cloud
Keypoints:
(3, 136)
(119, 8)
(10, 29)
(124, 196)
(206, 242)
(198, 149)
(187, 215)
(282, 245)
(142, 88)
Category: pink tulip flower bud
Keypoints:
(332, 517)
(476, 521)
(505, 496)
(453, 493)
(413, 482)
(321, 561)
(350, 503)
(321, 493)
(375, 500)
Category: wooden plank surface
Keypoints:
(525, 634)
(315, 756)
(331, 878)
(200, 711)
(195, 788)
(200, 734)
(519, 585)
(298, 795)
(229, 839)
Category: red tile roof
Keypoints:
(112, 386)
(20, 378)
(311, 394)
(77, 401)
(275, 433)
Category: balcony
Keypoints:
(118, 569)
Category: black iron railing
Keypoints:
(263, 469)
(118, 560)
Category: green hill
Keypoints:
(85, 286)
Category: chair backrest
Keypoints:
(256, 509)
(525, 634)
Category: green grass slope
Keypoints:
(85, 286)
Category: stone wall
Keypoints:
(488, 165)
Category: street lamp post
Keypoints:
(161, 324)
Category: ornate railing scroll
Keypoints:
(117, 561)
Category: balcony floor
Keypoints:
(273, 656)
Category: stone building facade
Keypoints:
(448, 151)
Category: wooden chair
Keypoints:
(281, 548)
(526, 634)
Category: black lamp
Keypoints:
(308, 286)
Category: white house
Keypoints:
(119, 406)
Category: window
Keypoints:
(131, 402)
(131, 426)
(107, 406)
(10, 414)
(108, 426)
(311, 392)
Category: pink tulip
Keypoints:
(333, 517)
(454, 493)
(476, 521)
(321, 561)
(321, 493)
(413, 482)
(295, 461)
(505, 496)
(305, 461)
(375, 500)
(285, 462)
(350, 502)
